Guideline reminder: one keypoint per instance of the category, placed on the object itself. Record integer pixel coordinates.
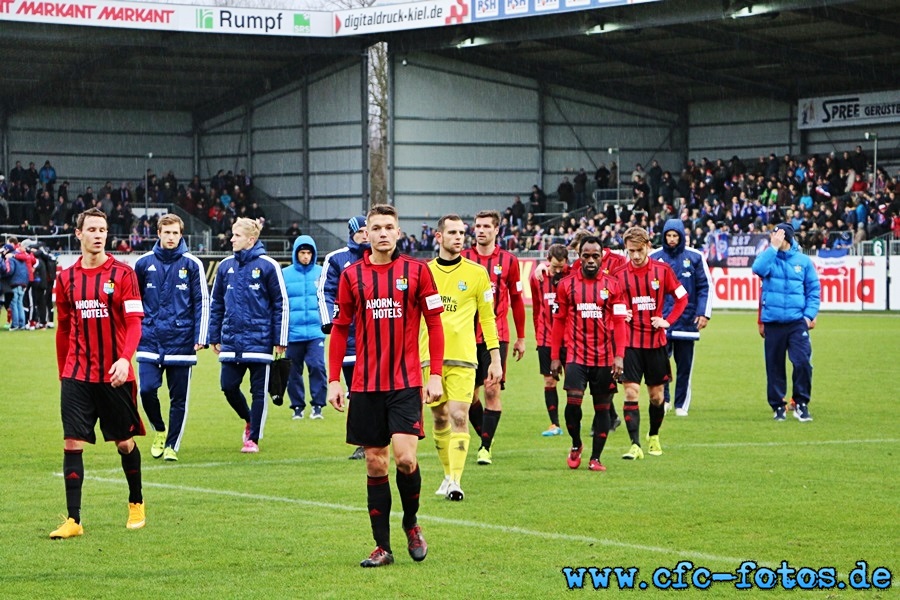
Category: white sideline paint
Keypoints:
(443, 520)
(532, 451)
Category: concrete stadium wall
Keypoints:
(87, 147)
(466, 138)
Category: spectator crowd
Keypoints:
(831, 201)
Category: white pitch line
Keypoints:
(295, 461)
(445, 521)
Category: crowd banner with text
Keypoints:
(734, 250)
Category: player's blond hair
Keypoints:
(249, 226)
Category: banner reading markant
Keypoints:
(848, 110)
(170, 17)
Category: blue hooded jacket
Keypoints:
(692, 271)
(334, 264)
(176, 305)
(249, 307)
(790, 285)
(301, 283)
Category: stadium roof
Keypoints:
(662, 54)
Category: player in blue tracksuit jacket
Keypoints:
(789, 304)
(248, 318)
(334, 264)
(693, 273)
(176, 324)
(306, 341)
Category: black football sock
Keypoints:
(73, 474)
(551, 399)
(657, 414)
(633, 421)
(409, 487)
(573, 419)
(131, 464)
(476, 416)
(379, 499)
(613, 415)
(489, 427)
(601, 428)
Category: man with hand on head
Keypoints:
(789, 304)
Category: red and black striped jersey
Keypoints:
(645, 289)
(386, 303)
(543, 305)
(590, 320)
(506, 281)
(611, 261)
(94, 307)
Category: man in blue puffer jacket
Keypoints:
(693, 273)
(176, 323)
(789, 306)
(248, 318)
(306, 342)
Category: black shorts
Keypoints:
(578, 377)
(651, 364)
(82, 404)
(373, 417)
(484, 361)
(544, 359)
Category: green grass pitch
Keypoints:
(290, 522)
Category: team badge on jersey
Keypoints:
(462, 286)
(401, 284)
(686, 262)
(109, 287)
(604, 294)
(498, 269)
(182, 273)
(255, 273)
(797, 268)
(655, 284)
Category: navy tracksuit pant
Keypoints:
(178, 379)
(683, 353)
(312, 353)
(230, 380)
(791, 339)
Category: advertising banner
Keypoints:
(894, 298)
(849, 283)
(170, 17)
(848, 110)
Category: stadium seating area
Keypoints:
(831, 200)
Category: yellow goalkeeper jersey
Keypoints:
(465, 290)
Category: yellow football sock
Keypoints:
(441, 443)
(459, 449)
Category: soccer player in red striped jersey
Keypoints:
(503, 269)
(645, 282)
(386, 294)
(543, 308)
(590, 323)
(100, 311)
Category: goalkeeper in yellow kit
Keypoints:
(465, 290)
